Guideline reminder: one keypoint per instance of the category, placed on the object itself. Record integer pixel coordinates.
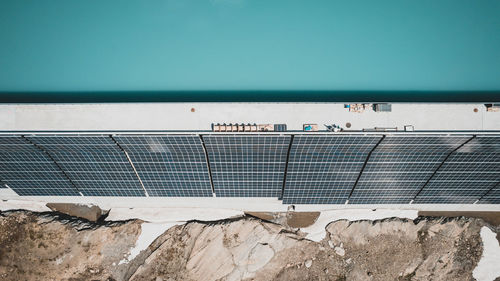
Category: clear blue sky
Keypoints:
(113, 45)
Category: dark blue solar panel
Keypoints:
(173, 165)
(29, 171)
(322, 169)
(247, 166)
(466, 175)
(2, 184)
(400, 166)
(492, 196)
(95, 164)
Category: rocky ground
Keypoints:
(53, 246)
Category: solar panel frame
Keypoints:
(173, 165)
(322, 169)
(94, 163)
(247, 165)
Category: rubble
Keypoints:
(41, 246)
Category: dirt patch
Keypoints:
(267, 216)
(302, 219)
(492, 218)
(288, 219)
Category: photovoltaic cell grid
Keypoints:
(467, 174)
(492, 196)
(169, 165)
(400, 166)
(29, 171)
(322, 169)
(95, 164)
(247, 166)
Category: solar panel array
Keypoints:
(492, 196)
(172, 165)
(247, 165)
(468, 174)
(29, 171)
(322, 169)
(95, 164)
(400, 166)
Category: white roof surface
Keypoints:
(179, 117)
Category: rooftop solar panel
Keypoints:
(247, 166)
(94, 163)
(400, 166)
(468, 173)
(29, 171)
(492, 196)
(322, 169)
(173, 165)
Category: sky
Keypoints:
(123, 45)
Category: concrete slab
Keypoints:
(200, 116)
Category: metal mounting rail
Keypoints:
(208, 165)
(364, 165)
(131, 164)
(55, 162)
(286, 168)
(439, 167)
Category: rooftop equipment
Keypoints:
(333, 128)
(265, 127)
(409, 128)
(248, 127)
(356, 107)
(382, 107)
(492, 107)
(310, 127)
(280, 127)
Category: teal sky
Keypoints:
(114, 45)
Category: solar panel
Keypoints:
(29, 171)
(172, 165)
(467, 174)
(322, 169)
(400, 166)
(95, 164)
(492, 196)
(247, 166)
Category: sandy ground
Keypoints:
(492, 218)
(52, 246)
